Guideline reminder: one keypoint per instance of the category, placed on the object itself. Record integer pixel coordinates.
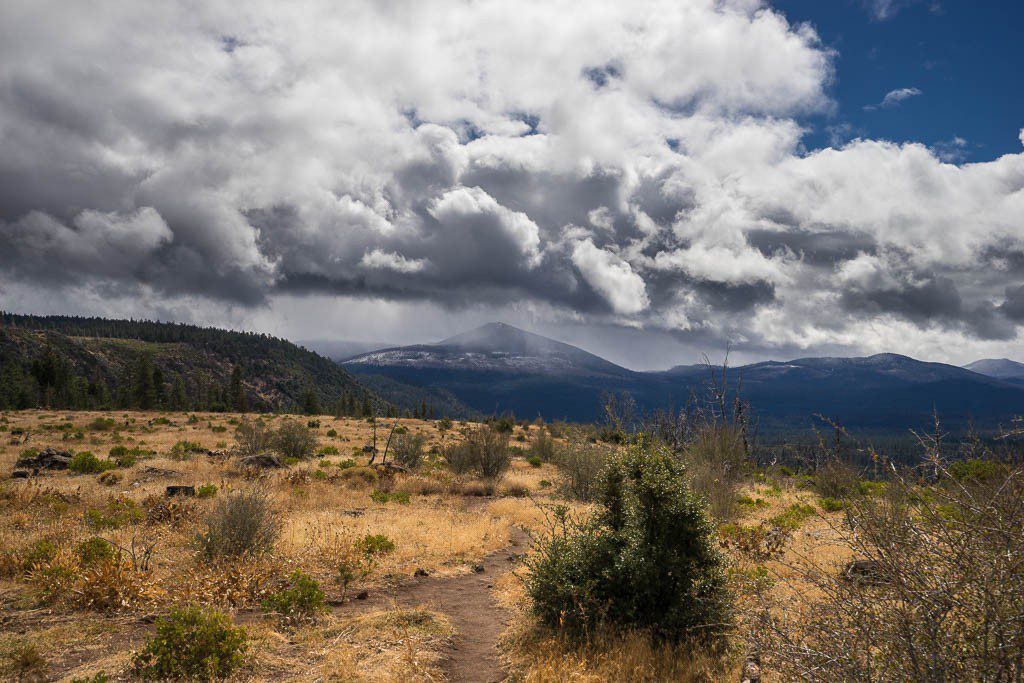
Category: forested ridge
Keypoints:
(83, 363)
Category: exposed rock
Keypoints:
(181, 491)
(362, 595)
(261, 461)
(478, 569)
(866, 571)
(47, 459)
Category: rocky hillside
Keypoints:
(68, 362)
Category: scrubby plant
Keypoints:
(376, 544)
(206, 491)
(407, 449)
(543, 446)
(939, 595)
(301, 599)
(95, 550)
(646, 559)
(116, 513)
(295, 440)
(253, 437)
(327, 450)
(400, 497)
(87, 463)
(102, 424)
(242, 523)
(332, 433)
(484, 451)
(580, 464)
(192, 643)
(183, 450)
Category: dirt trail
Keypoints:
(467, 602)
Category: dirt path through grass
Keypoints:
(467, 602)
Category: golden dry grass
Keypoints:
(445, 527)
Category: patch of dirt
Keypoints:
(466, 600)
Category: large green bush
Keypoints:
(192, 643)
(646, 559)
(295, 440)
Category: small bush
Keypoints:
(183, 450)
(542, 447)
(332, 433)
(836, 479)
(346, 464)
(116, 513)
(109, 479)
(376, 544)
(193, 643)
(831, 504)
(301, 599)
(38, 554)
(87, 463)
(127, 457)
(206, 491)
(295, 440)
(359, 475)
(242, 523)
(95, 550)
(400, 497)
(24, 662)
(484, 451)
(407, 449)
(313, 424)
(580, 466)
(253, 437)
(102, 424)
(535, 461)
(647, 559)
(792, 517)
(327, 450)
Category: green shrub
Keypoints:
(346, 463)
(327, 450)
(313, 424)
(792, 517)
(332, 433)
(295, 440)
(102, 424)
(401, 497)
(301, 599)
(127, 457)
(38, 554)
(407, 449)
(183, 450)
(580, 464)
(242, 523)
(95, 550)
(484, 451)
(193, 643)
(646, 559)
(376, 544)
(535, 461)
(977, 470)
(116, 513)
(831, 504)
(206, 491)
(253, 437)
(542, 447)
(87, 463)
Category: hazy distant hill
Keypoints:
(499, 368)
(58, 361)
(1001, 368)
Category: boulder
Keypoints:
(178, 490)
(47, 459)
(261, 461)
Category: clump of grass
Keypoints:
(192, 643)
(382, 497)
(206, 491)
(793, 517)
(243, 523)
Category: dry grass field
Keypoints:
(66, 619)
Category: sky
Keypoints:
(652, 180)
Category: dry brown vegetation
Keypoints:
(73, 606)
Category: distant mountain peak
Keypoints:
(1001, 368)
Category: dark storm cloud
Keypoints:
(468, 155)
